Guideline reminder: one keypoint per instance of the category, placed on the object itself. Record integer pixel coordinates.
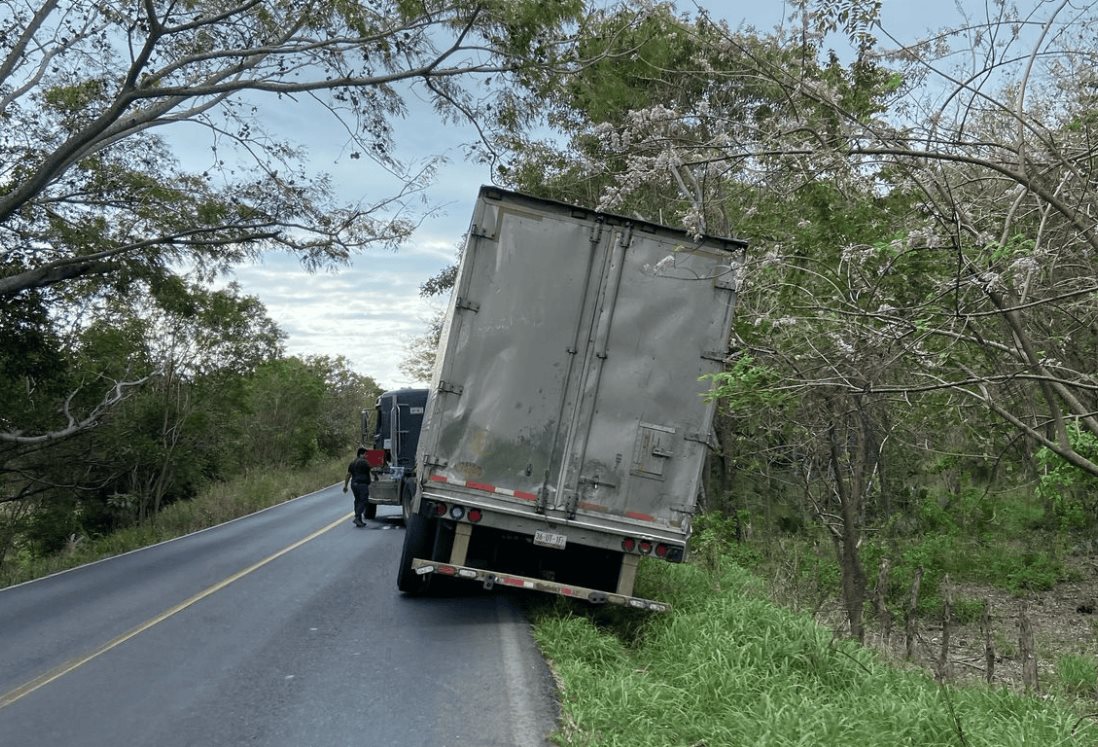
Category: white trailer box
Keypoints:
(567, 427)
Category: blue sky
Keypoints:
(369, 310)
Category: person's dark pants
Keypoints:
(362, 496)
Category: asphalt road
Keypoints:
(281, 628)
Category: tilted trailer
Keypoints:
(566, 429)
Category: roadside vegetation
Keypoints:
(729, 666)
(215, 504)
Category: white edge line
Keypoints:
(164, 542)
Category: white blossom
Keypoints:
(772, 257)
(990, 281)
(1025, 265)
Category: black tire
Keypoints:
(407, 496)
(419, 539)
(370, 512)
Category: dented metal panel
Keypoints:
(569, 366)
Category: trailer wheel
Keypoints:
(370, 511)
(418, 542)
(407, 494)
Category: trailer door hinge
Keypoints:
(705, 438)
(596, 230)
(481, 232)
(445, 386)
(434, 461)
(463, 303)
(626, 237)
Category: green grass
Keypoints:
(219, 503)
(1077, 675)
(728, 667)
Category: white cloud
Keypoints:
(368, 312)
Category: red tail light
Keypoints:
(474, 515)
(645, 547)
(628, 544)
(661, 550)
(440, 509)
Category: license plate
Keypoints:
(550, 539)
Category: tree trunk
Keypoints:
(850, 565)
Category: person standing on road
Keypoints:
(358, 476)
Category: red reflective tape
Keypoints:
(480, 486)
(592, 506)
(642, 517)
(446, 570)
(566, 591)
(439, 478)
(525, 496)
(511, 581)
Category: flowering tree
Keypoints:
(923, 229)
(980, 267)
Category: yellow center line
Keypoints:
(60, 671)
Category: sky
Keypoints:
(369, 310)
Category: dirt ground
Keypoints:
(1064, 621)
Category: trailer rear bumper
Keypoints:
(490, 578)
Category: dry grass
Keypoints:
(221, 502)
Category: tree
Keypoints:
(84, 86)
(993, 292)
(163, 442)
(92, 199)
(347, 394)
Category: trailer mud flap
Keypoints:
(489, 579)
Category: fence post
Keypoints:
(945, 668)
(989, 643)
(1028, 654)
(880, 601)
(910, 621)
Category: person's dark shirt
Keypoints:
(359, 469)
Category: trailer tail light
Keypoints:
(628, 544)
(456, 512)
(474, 515)
(661, 550)
(645, 547)
(440, 509)
(446, 570)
